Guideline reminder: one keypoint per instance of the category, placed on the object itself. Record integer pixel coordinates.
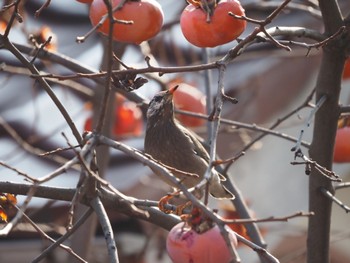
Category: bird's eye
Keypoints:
(157, 98)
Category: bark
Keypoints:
(325, 125)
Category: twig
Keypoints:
(306, 103)
(329, 39)
(291, 6)
(215, 116)
(9, 226)
(262, 252)
(342, 185)
(45, 5)
(42, 46)
(172, 169)
(310, 163)
(237, 50)
(25, 175)
(25, 145)
(268, 219)
(112, 20)
(307, 124)
(207, 80)
(74, 85)
(334, 199)
(63, 238)
(85, 159)
(59, 150)
(229, 160)
(99, 209)
(109, 198)
(44, 235)
(163, 172)
(10, 47)
(14, 15)
(62, 169)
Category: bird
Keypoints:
(175, 146)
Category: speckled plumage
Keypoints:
(172, 144)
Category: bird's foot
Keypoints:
(164, 201)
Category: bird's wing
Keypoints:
(199, 149)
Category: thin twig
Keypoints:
(112, 20)
(342, 185)
(9, 226)
(44, 235)
(310, 163)
(45, 5)
(15, 15)
(306, 103)
(10, 47)
(63, 238)
(42, 46)
(307, 124)
(262, 252)
(25, 175)
(334, 199)
(268, 219)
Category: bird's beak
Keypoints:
(172, 90)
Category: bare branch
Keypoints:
(45, 236)
(268, 219)
(97, 205)
(9, 46)
(45, 5)
(328, 194)
(63, 238)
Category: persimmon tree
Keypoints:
(116, 87)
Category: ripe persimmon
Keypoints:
(221, 28)
(342, 145)
(137, 21)
(189, 98)
(346, 72)
(186, 245)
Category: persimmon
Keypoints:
(342, 145)
(2, 27)
(137, 20)
(238, 228)
(128, 119)
(184, 244)
(346, 72)
(189, 98)
(221, 28)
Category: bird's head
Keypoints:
(162, 106)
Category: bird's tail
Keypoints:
(218, 190)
